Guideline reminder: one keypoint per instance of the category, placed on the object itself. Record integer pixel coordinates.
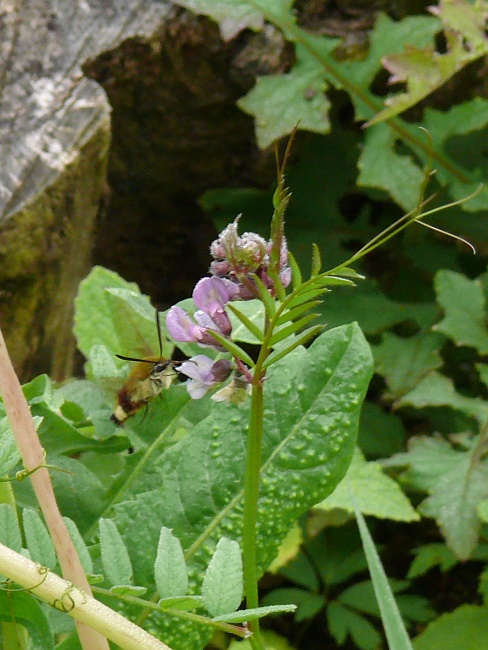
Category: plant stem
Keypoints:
(251, 495)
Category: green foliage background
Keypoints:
(423, 432)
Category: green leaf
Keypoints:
(482, 368)
(300, 340)
(394, 627)
(296, 274)
(223, 582)
(266, 298)
(306, 603)
(373, 310)
(312, 404)
(232, 17)
(403, 362)
(316, 261)
(325, 280)
(78, 491)
(80, 545)
(483, 510)
(464, 307)
(381, 166)
(429, 556)
(466, 627)
(380, 432)
(291, 329)
(233, 348)
(20, 607)
(294, 313)
(375, 493)
(37, 539)
(9, 453)
(170, 568)
(128, 590)
(466, 121)
(437, 390)
(342, 621)
(288, 549)
(280, 102)
(183, 603)
(244, 615)
(247, 327)
(112, 312)
(9, 528)
(306, 294)
(115, 557)
(457, 482)
(424, 69)
(361, 596)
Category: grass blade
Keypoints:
(393, 624)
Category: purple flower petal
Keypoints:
(199, 371)
(212, 294)
(181, 327)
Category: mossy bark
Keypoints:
(45, 249)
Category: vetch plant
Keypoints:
(184, 488)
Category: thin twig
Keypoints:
(32, 454)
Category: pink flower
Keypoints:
(210, 295)
(204, 373)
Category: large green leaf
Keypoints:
(466, 628)
(312, 403)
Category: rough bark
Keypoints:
(54, 137)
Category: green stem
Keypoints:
(251, 496)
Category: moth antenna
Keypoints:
(120, 356)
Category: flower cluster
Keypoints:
(237, 261)
(239, 257)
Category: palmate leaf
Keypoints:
(313, 399)
(403, 362)
(424, 69)
(456, 481)
(280, 102)
(464, 307)
(438, 390)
